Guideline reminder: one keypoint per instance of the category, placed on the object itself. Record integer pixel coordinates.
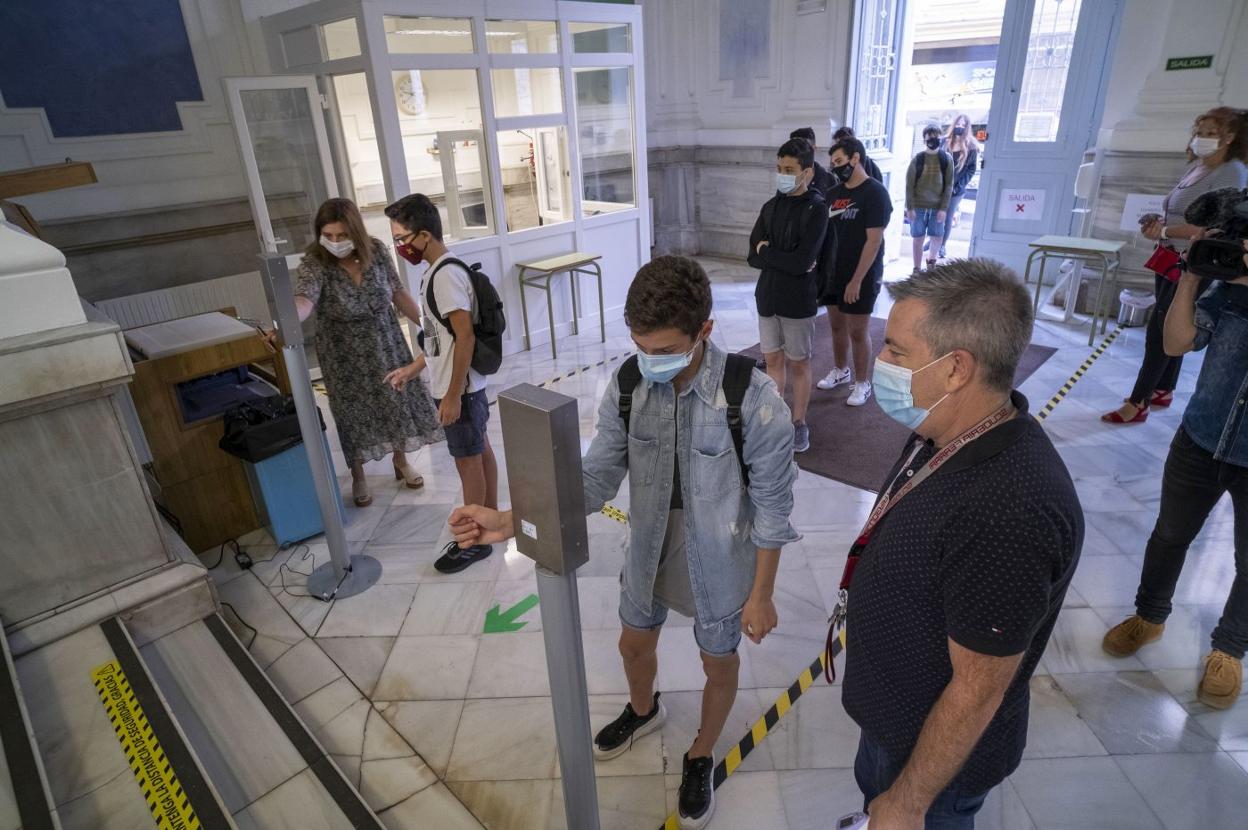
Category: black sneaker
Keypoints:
(617, 737)
(697, 793)
(454, 558)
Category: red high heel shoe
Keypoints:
(1140, 416)
(1161, 399)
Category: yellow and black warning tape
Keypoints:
(1079, 373)
(616, 514)
(736, 756)
(170, 805)
(585, 368)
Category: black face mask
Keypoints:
(932, 143)
(843, 172)
(959, 130)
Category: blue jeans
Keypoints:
(875, 773)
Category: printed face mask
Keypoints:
(338, 249)
(893, 392)
(410, 252)
(663, 368)
(1204, 147)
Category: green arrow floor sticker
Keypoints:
(497, 622)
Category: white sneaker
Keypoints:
(862, 391)
(837, 377)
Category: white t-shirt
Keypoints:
(453, 292)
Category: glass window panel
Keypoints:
(292, 179)
(876, 82)
(522, 37)
(1049, 49)
(429, 35)
(440, 112)
(527, 92)
(601, 37)
(342, 39)
(604, 130)
(536, 177)
(300, 47)
(359, 138)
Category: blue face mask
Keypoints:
(663, 368)
(786, 182)
(893, 393)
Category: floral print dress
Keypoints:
(358, 341)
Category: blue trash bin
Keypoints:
(286, 497)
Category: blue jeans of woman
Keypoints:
(875, 773)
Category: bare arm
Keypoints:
(759, 617)
(953, 728)
(465, 343)
(304, 306)
(1179, 331)
(406, 303)
(875, 238)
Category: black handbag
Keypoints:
(262, 428)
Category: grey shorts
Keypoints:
(795, 337)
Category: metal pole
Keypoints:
(569, 695)
(344, 575)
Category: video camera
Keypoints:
(1221, 257)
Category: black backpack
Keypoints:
(487, 355)
(736, 382)
(944, 169)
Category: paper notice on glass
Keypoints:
(1138, 205)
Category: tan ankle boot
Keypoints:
(1224, 676)
(1126, 637)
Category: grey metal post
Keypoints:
(542, 441)
(344, 575)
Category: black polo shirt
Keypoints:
(982, 553)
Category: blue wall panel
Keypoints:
(98, 68)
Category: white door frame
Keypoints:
(234, 87)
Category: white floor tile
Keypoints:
(428, 668)
(1190, 792)
(1084, 793)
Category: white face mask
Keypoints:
(1204, 147)
(338, 249)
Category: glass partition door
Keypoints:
(285, 150)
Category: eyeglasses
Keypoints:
(405, 238)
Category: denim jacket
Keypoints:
(724, 524)
(1214, 418)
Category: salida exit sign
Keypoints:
(1198, 62)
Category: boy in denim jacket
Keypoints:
(703, 542)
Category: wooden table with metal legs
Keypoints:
(539, 274)
(1102, 253)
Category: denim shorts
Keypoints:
(720, 640)
(795, 337)
(466, 437)
(925, 224)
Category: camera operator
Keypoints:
(1208, 457)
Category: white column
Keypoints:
(1167, 101)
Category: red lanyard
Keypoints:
(888, 501)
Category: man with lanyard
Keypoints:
(964, 562)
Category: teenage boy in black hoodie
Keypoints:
(785, 245)
(823, 180)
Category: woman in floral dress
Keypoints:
(349, 280)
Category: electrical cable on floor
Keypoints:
(245, 624)
(285, 566)
(221, 553)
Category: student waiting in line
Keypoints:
(960, 143)
(691, 479)
(929, 187)
(873, 169)
(785, 245)
(448, 345)
(860, 208)
(823, 179)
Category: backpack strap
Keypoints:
(431, 303)
(738, 371)
(628, 377)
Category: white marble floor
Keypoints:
(457, 727)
